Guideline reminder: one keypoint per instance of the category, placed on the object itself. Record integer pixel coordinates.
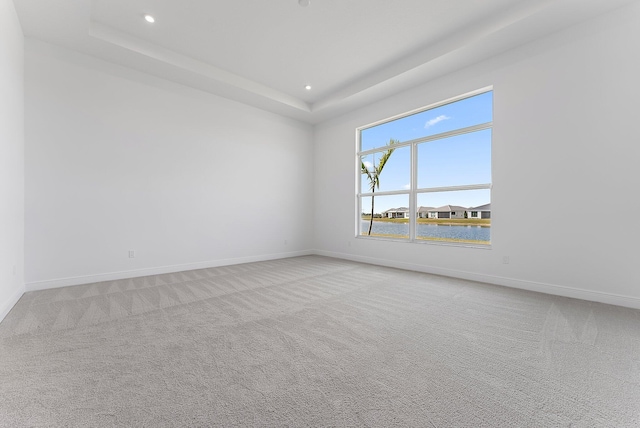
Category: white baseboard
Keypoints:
(112, 276)
(9, 304)
(554, 289)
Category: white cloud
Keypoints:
(407, 186)
(435, 120)
(368, 165)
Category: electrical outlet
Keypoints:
(285, 242)
(505, 260)
(132, 254)
(14, 270)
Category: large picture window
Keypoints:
(425, 176)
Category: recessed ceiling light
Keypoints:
(308, 87)
(150, 19)
(304, 3)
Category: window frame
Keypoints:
(414, 191)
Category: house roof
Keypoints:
(485, 207)
(448, 208)
(425, 209)
(397, 210)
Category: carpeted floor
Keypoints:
(313, 341)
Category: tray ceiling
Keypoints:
(264, 53)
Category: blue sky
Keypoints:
(460, 160)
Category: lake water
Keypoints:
(475, 233)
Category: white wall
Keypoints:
(119, 160)
(11, 158)
(566, 139)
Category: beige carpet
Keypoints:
(313, 341)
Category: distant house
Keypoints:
(401, 212)
(447, 211)
(483, 211)
(423, 212)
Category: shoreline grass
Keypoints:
(484, 222)
(429, 238)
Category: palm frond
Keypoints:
(383, 160)
(370, 175)
(364, 170)
(374, 176)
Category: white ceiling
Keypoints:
(263, 52)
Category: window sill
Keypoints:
(426, 242)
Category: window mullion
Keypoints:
(413, 208)
(435, 137)
(454, 188)
(387, 193)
